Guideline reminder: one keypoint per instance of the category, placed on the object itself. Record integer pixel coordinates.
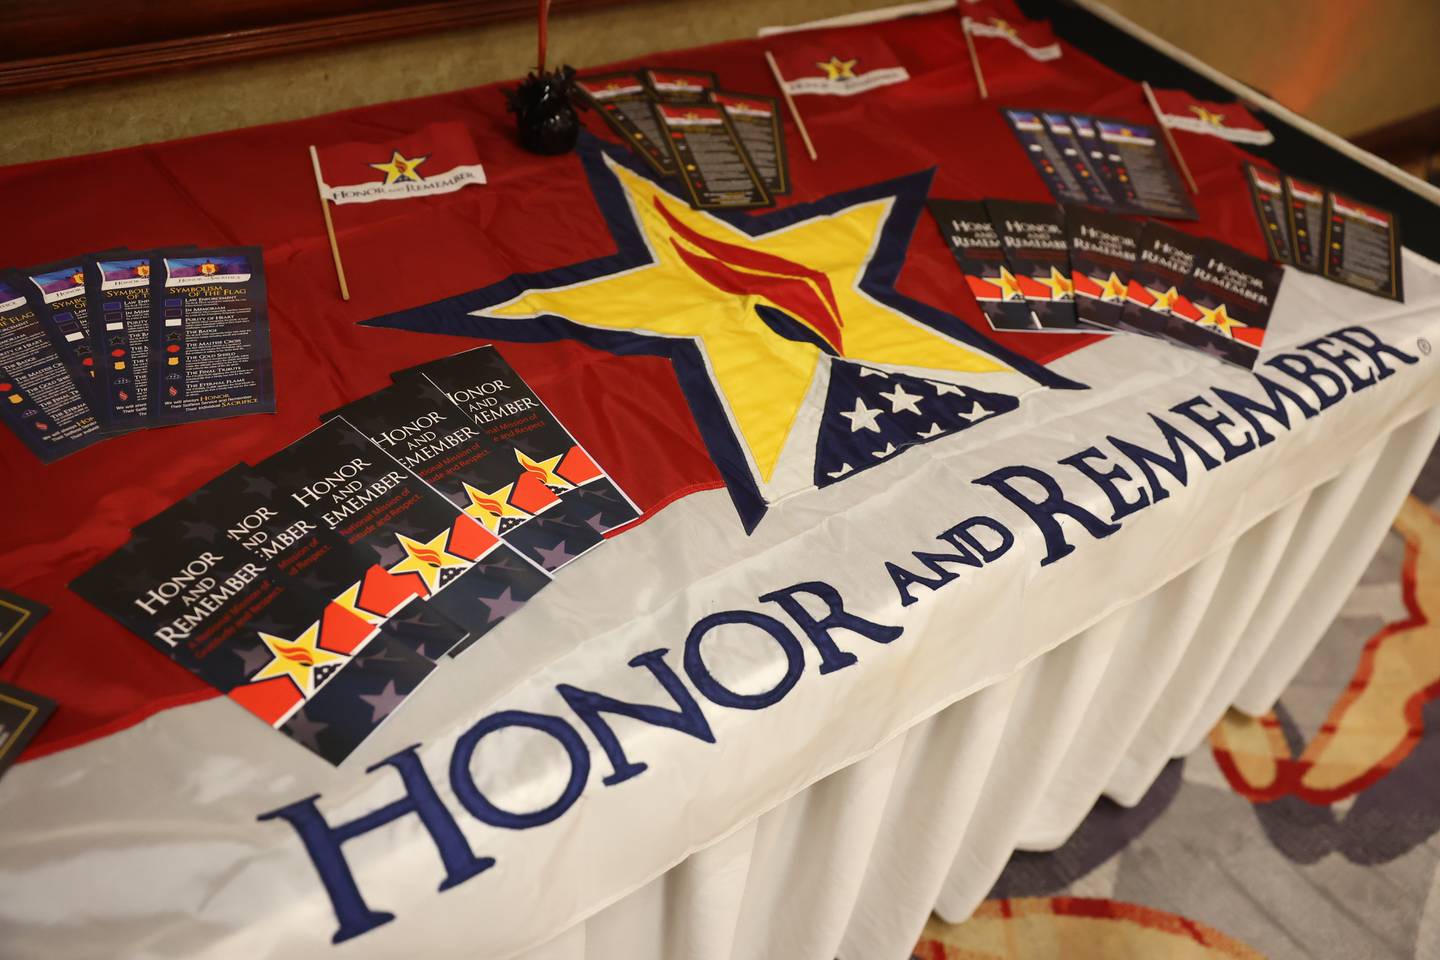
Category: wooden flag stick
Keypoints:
(974, 60)
(1174, 147)
(799, 124)
(329, 226)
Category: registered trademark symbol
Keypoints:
(1424, 346)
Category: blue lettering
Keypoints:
(479, 805)
(716, 692)
(1044, 511)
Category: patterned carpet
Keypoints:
(1312, 832)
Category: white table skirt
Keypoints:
(852, 866)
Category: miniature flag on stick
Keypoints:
(1170, 139)
(995, 19)
(790, 105)
(437, 159)
(1229, 121)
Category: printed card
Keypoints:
(1305, 210)
(18, 617)
(1156, 185)
(1267, 193)
(1030, 130)
(1103, 248)
(1072, 154)
(60, 298)
(486, 387)
(966, 227)
(209, 335)
(1108, 165)
(1232, 294)
(349, 486)
(623, 102)
(757, 120)
(22, 714)
(1362, 247)
(1156, 303)
(120, 336)
(42, 398)
(417, 424)
(680, 86)
(1033, 238)
(709, 157)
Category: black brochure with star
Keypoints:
(756, 119)
(1305, 213)
(1046, 157)
(483, 384)
(623, 101)
(209, 335)
(1267, 194)
(119, 298)
(337, 477)
(710, 158)
(1072, 154)
(1362, 247)
(1102, 254)
(680, 86)
(283, 652)
(417, 424)
(22, 714)
(42, 399)
(1232, 295)
(255, 514)
(1033, 238)
(18, 616)
(966, 227)
(1155, 302)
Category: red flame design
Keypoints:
(485, 503)
(429, 556)
(296, 654)
(801, 291)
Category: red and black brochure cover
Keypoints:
(1033, 238)
(1103, 247)
(1232, 295)
(1155, 300)
(966, 227)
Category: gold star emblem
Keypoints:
(705, 281)
(1218, 318)
(400, 168)
(544, 470)
(296, 659)
(490, 508)
(1009, 286)
(427, 559)
(1003, 26)
(1061, 288)
(837, 69)
(1113, 290)
(1207, 116)
(1164, 299)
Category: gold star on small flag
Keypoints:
(427, 559)
(400, 168)
(296, 659)
(837, 69)
(491, 508)
(1207, 116)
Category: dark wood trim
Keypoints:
(95, 62)
(1404, 141)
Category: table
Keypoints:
(827, 756)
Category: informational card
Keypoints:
(1362, 247)
(256, 515)
(42, 399)
(623, 102)
(348, 485)
(1305, 210)
(1267, 193)
(209, 335)
(1107, 165)
(302, 664)
(119, 295)
(1072, 154)
(1232, 294)
(1158, 191)
(22, 714)
(680, 86)
(421, 428)
(61, 300)
(1103, 247)
(1033, 238)
(1030, 130)
(966, 227)
(486, 387)
(709, 157)
(18, 617)
(1155, 300)
(757, 120)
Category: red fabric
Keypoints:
(256, 186)
(1233, 116)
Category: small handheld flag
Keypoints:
(329, 224)
(790, 104)
(1170, 139)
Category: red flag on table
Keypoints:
(439, 158)
(1231, 121)
(838, 64)
(998, 19)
